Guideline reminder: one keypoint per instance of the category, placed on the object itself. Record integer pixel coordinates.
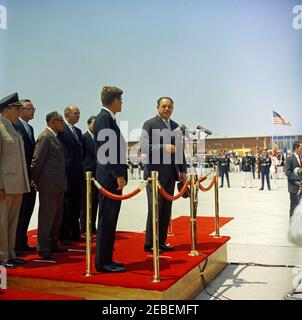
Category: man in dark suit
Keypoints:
(29, 199)
(291, 163)
(71, 137)
(111, 173)
(89, 164)
(158, 143)
(49, 176)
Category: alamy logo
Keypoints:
(297, 21)
(3, 17)
(3, 278)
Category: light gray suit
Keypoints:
(14, 182)
(48, 173)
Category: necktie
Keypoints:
(27, 128)
(167, 123)
(75, 133)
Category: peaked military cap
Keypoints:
(11, 99)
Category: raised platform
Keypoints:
(180, 274)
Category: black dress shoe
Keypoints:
(260, 189)
(119, 264)
(110, 268)
(66, 242)
(8, 264)
(17, 261)
(150, 249)
(58, 250)
(166, 248)
(46, 256)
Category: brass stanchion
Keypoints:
(170, 230)
(154, 178)
(217, 221)
(193, 213)
(88, 223)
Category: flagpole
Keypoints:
(272, 142)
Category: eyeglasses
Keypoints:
(61, 120)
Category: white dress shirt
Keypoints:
(111, 113)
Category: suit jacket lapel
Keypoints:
(25, 133)
(70, 133)
(32, 134)
(160, 123)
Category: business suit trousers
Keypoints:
(70, 229)
(49, 220)
(9, 212)
(164, 212)
(26, 210)
(294, 201)
(108, 215)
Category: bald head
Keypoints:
(72, 114)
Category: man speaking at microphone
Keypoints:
(158, 143)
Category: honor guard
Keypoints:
(253, 164)
(264, 165)
(247, 164)
(224, 164)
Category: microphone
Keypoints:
(184, 130)
(206, 131)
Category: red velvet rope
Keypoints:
(114, 196)
(204, 189)
(168, 197)
(202, 179)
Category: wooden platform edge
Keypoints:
(184, 289)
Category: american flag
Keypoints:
(277, 119)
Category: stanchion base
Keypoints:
(155, 280)
(193, 253)
(216, 236)
(87, 274)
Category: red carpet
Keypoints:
(70, 266)
(10, 294)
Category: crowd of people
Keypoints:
(54, 165)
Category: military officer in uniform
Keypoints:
(224, 164)
(14, 180)
(264, 165)
(253, 164)
(247, 164)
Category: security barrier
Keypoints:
(195, 185)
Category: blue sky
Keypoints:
(226, 63)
